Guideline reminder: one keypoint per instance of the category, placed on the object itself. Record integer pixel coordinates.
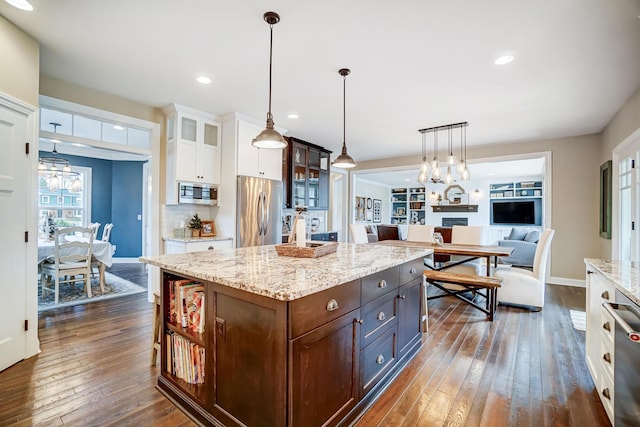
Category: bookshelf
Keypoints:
(417, 205)
(399, 206)
(516, 189)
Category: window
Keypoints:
(65, 207)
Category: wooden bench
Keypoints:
(469, 283)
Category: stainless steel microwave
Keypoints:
(198, 194)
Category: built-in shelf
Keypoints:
(455, 208)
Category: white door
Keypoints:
(628, 199)
(14, 196)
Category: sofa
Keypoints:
(524, 242)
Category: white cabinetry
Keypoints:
(180, 247)
(600, 336)
(193, 148)
(251, 161)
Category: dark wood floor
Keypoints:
(523, 369)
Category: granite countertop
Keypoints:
(260, 270)
(190, 239)
(624, 274)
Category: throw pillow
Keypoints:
(517, 233)
(533, 236)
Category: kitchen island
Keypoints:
(291, 341)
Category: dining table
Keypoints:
(102, 252)
(470, 252)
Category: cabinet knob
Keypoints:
(589, 272)
(332, 305)
(210, 248)
(606, 393)
(402, 296)
(361, 321)
(381, 316)
(380, 359)
(413, 270)
(382, 284)
(607, 357)
(605, 295)
(606, 326)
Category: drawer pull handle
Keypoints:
(413, 270)
(402, 296)
(605, 295)
(332, 305)
(607, 357)
(380, 359)
(210, 248)
(382, 316)
(382, 284)
(361, 321)
(606, 393)
(606, 326)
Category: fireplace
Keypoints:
(450, 222)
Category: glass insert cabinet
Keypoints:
(306, 171)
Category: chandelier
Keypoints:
(57, 170)
(451, 164)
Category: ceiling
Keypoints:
(414, 64)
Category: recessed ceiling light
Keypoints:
(491, 174)
(21, 4)
(203, 80)
(505, 59)
(293, 116)
(118, 127)
(407, 179)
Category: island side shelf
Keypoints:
(322, 358)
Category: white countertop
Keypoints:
(624, 274)
(260, 270)
(190, 239)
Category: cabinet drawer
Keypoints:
(607, 359)
(411, 270)
(377, 317)
(607, 326)
(376, 360)
(314, 310)
(378, 284)
(606, 393)
(209, 245)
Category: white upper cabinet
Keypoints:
(193, 148)
(193, 145)
(238, 132)
(262, 163)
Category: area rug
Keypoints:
(74, 294)
(579, 320)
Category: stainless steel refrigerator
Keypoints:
(259, 212)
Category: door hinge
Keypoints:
(633, 163)
(26, 148)
(26, 324)
(633, 225)
(26, 237)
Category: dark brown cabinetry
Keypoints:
(317, 360)
(306, 169)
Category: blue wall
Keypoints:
(116, 197)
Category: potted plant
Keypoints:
(195, 224)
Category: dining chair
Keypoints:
(522, 286)
(71, 259)
(95, 226)
(467, 235)
(106, 232)
(420, 233)
(358, 233)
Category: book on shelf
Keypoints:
(185, 359)
(187, 294)
(175, 306)
(196, 310)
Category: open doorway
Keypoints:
(122, 155)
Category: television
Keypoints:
(516, 212)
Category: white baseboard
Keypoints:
(125, 260)
(566, 282)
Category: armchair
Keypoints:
(522, 286)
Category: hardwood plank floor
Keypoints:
(522, 369)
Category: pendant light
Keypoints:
(344, 160)
(269, 137)
(451, 163)
(436, 173)
(423, 175)
(58, 178)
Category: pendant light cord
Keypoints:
(269, 116)
(344, 114)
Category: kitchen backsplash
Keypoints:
(172, 215)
